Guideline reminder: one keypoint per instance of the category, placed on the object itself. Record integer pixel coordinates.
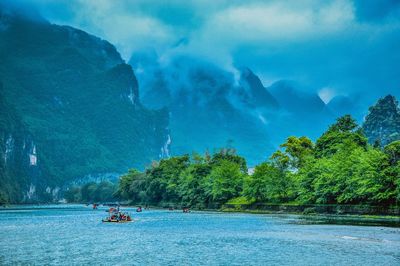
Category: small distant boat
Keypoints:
(139, 209)
(186, 210)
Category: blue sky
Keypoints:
(337, 47)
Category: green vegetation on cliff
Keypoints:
(69, 108)
(382, 124)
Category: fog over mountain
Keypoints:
(344, 51)
(334, 47)
(209, 107)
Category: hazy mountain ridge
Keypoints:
(255, 118)
(203, 98)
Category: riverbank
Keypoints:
(310, 214)
(326, 214)
(318, 209)
(304, 213)
(339, 219)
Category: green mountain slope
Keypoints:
(69, 107)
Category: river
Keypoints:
(75, 235)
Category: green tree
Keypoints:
(73, 194)
(163, 179)
(88, 192)
(3, 198)
(393, 152)
(344, 132)
(269, 183)
(393, 171)
(224, 182)
(297, 150)
(105, 192)
(353, 176)
(131, 185)
(229, 155)
(192, 185)
(304, 181)
(367, 181)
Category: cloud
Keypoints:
(123, 23)
(279, 21)
(349, 46)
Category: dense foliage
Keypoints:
(92, 192)
(340, 168)
(201, 181)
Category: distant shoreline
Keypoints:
(311, 218)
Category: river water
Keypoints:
(75, 235)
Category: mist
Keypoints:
(348, 47)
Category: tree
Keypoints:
(105, 192)
(344, 132)
(3, 198)
(269, 183)
(192, 185)
(396, 174)
(367, 181)
(353, 176)
(298, 150)
(344, 124)
(393, 171)
(124, 190)
(73, 194)
(229, 155)
(88, 192)
(393, 152)
(225, 181)
(304, 181)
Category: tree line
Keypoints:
(104, 191)
(339, 168)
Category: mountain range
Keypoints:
(209, 107)
(71, 109)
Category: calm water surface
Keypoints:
(74, 235)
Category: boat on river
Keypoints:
(116, 216)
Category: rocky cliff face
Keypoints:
(382, 124)
(69, 108)
(19, 162)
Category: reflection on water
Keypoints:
(349, 220)
(75, 235)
